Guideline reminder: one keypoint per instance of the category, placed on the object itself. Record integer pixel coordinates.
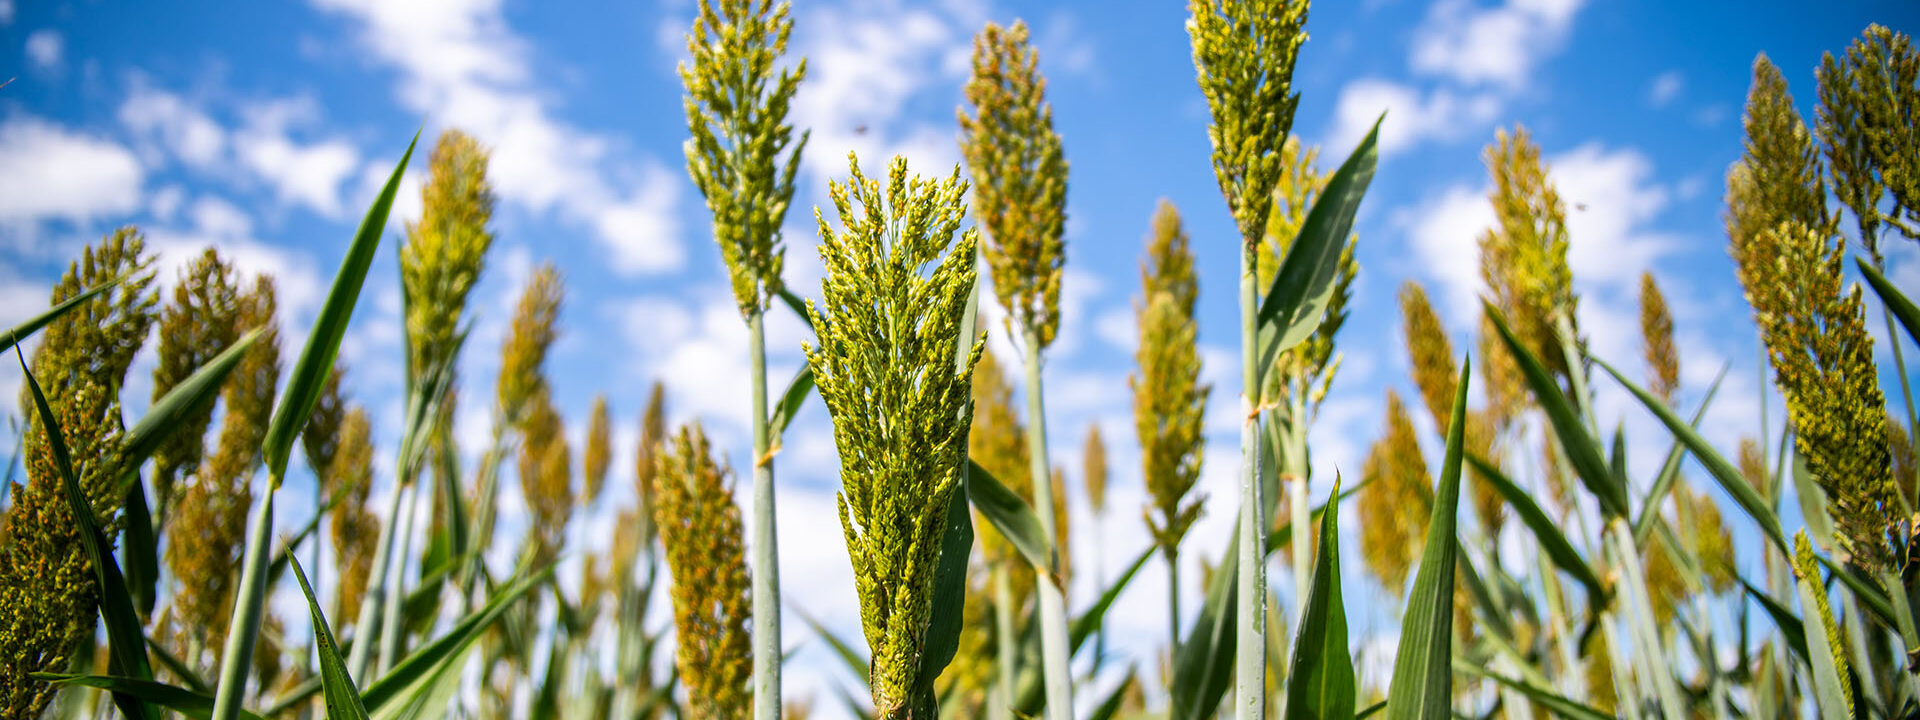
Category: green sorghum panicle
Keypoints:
(1169, 401)
(742, 155)
(523, 355)
(1019, 177)
(1093, 461)
(446, 250)
(1246, 58)
(1778, 176)
(889, 319)
(1523, 258)
(195, 327)
(598, 454)
(1865, 120)
(1434, 368)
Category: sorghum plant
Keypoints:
(888, 329)
(700, 528)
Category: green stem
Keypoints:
(1294, 474)
(371, 603)
(1005, 647)
(1250, 645)
(766, 548)
(1640, 618)
(1173, 604)
(247, 609)
(1902, 619)
(1054, 654)
(392, 630)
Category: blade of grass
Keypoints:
(1422, 685)
(1111, 706)
(1890, 296)
(1583, 452)
(1544, 528)
(1729, 477)
(1321, 682)
(20, 332)
(1559, 704)
(197, 705)
(1293, 305)
(141, 547)
(855, 662)
(403, 691)
(179, 668)
(342, 698)
(1831, 680)
(790, 401)
(290, 414)
(1009, 514)
(1670, 468)
(126, 643)
(194, 393)
(1202, 665)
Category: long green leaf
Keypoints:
(197, 705)
(126, 642)
(1583, 452)
(342, 698)
(1783, 617)
(1009, 514)
(179, 668)
(942, 638)
(1717, 466)
(1559, 704)
(1422, 684)
(1545, 529)
(855, 662)
(1670, 468)
(141, 547)
(192, 394)
(407, 689)
(790, 401)
(1111, 706)
(1298, 297)
(310, 372)
(1321, 684)
(1869, 595)
(20, 332)
(1202, 665)
(1890, 296)
(1284, 534)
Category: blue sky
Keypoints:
(265, 128)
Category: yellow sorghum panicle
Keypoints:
(1601, 693)
(653, 432)
(598, 454)
(320, 439)
(1169, 402)
(1499, 377)
(1778, 176)
(627, 526)
(701, 531)
(900, 407)
(997, 441)
(1093, 457)
(194, 328)
(1523, 258)
(1753, 467)
(208, 533)
(546, 478)
(1393, 509)
(1865, 120)
(1666, 588)
(1488, 504)
(1246, 73)
(1656, 337)
(355, 527)
(736, 108)
(1434, 368)
(1807, 568)
(1019, 177)
(47, 591)
(1822, 357)
(1707, 538)
(446, 250)
(523, 356)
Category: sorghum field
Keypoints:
(205, 519)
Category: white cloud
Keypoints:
(1478, 45)
(215, 222)
(45, 49)
(166, 122)
(1665, 88)
(54, 172)
(1445, 233)
(6, 12)
(462, 64)
(306, 174)
(1413, 115)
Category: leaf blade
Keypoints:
(1422, 685)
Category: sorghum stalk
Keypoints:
(1054, 655)
(736, 108)
(1245, 55)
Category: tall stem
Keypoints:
(1295, 471)
(1053, 604)
(1250, 669)
(247, 609)
(1173, 604)
(1004, 644)
(392, 630)
(766, 544)
(1640, 620)
(365, 634)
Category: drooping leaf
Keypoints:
(1583, 451)
(1890, 296)
(1670, 468)
(126, 642)
(1545, 529)
(342, 697)
(1294, 303)
(1717, 466)
(1321, 683)
(1558, 704)
(1010, 515)
(1111, 706)
(790, 401)
(1422, 684)
(1783, 618)
(194, 393)
(193, 704)
(856, 662)
(141, 547)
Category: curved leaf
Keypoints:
(1294, 304)
(942, 638)
(1422, 684)
(194, 393)
(1009, 514)
(1545, 530)
(1321, 683)
(1583, 451)
(408, 689)
(20, 332)
(1559, 704)
(1789, 623)
(197, 705)
(1890, 296)
(790, 401)
(1670, 468)
(1717, 466)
